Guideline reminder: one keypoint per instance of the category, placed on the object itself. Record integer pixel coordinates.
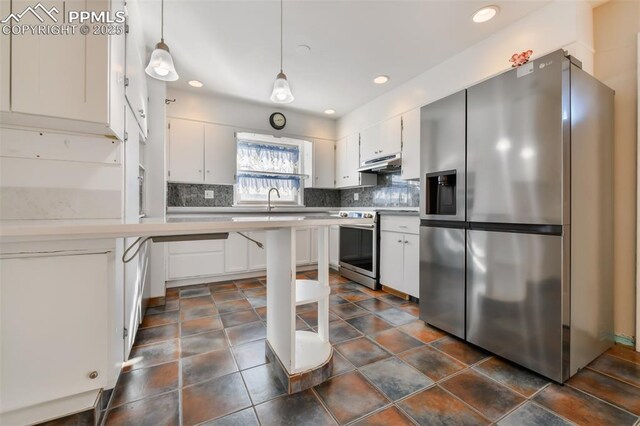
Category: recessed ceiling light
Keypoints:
(329, 111)
(195, 83)
(381, 79)
(485, 14)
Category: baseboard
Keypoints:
(228, 277)
(625, 340)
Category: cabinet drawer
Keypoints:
(195, 265)
(404, 224)
(196, 246)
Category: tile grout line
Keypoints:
(611, 376)
(602, 400)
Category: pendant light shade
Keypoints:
(161, 63)
(281, 93)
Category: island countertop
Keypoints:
(25, 230)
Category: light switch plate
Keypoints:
(208, 194)
(356, 196)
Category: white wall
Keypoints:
(247, 116)
(561, 24)
(617, 24)
(53, 175)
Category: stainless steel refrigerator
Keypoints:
(516, 242)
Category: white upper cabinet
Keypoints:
(324, 165)
(348, 162)
(341, 160)
(370, 142)
(219, 154)
(136, 88)
(186, 150)
(71, 77)
(381, 139)
(411, 144)
(391, 140)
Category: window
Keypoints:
(265, 162)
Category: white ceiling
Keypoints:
(233, 46)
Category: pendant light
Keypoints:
(161, 64)
(281, 91)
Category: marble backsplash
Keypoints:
(391, 191)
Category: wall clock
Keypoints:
(277, 120)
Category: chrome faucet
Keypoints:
(269, 197)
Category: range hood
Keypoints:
(384, 164)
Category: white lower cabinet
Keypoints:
(257, 255)
(303, 246)
(400, 254)
(54, 325)
(189, 259)
(334, 246)
(237, 255)
(236, 250)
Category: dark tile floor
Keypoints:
(200, 360)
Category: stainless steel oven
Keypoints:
(359, 251)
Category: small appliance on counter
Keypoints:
(359, 249)
(516, 233)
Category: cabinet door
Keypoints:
(186, 151)
(341, 162)
(313, 245)
(370, 139)
(53, 326)
(390, 136)
(411, 274)
(334, 245)
(236, 253)
(391, 260)
(74, 82)
(411, 144)
(258, 256)
(195, 265)
(352, 158)
(136, 91)
(219, 154)
(303, 254)
(324, 164)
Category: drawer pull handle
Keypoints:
(93, 375)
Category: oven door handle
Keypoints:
(359, 226)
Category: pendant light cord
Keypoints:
(162, 20)
(281, 25)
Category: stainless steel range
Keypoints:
(359, 250)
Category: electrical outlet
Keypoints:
(208, 194)
(356, 196)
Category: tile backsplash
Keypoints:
(192, 195)
(391, 191)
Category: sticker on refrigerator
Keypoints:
(525, 69)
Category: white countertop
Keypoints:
(283, 209)
(31, 230)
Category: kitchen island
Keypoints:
(66, 270)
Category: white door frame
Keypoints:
(638, 210)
